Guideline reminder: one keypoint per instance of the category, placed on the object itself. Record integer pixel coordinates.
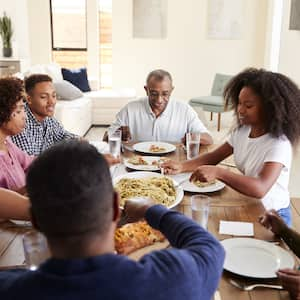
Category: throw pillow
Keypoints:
(66, 90)
(77, 77)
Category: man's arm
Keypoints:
(196, 258)
(195, 253)
(59, 132)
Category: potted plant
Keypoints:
(6, 33)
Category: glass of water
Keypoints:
(114, 142)
(192, 144)
(36, 249)
(200, 209)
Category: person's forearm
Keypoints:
(204, 159)
(14, 206)
(292, 239)
(181, 231)
(206, 139)
(247, 185)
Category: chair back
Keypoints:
(219, 84)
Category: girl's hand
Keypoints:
(171, 167)
(205, 173)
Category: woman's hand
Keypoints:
(205, 173)
(171, 167)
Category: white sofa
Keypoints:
(97, 107)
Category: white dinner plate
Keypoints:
(140, 175)
(149, 167)
(255, 258)
(144, 147)
(191, 187)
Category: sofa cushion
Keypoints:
(78, 77)
(52, 69)
(65, 90)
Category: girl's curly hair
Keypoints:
(11, 91)
(280, 97)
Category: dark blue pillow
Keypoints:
(77, 77)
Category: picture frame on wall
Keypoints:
(295, 15)
(225, 19)
(150, 19)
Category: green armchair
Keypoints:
(214, 102)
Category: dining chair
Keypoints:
(215, 101)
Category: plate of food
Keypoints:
(154, 147)
(202, 187)
(162, 189)
(144, 163)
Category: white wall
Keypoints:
(39, 31)
(191, 58)
(17, 11)
(289, 47)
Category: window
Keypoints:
(68, 30)
(69, 35)
(105, 47)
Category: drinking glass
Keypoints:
(114, 142)
(36, 249)
(192, 144)
(200, 209)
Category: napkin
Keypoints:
(236, 228)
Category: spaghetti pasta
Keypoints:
(160, 189)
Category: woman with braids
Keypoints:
(13, 161)
(267, 108)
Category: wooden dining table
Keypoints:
(226, 204)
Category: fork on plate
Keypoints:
(249, 287)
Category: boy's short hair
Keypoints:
(32, 80)
(70, 190)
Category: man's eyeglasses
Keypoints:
(155, 95)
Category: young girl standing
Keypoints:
(267, 108)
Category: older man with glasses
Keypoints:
(159, 118)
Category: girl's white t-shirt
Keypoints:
(250, 154)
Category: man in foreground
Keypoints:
(73, 203)
(159, 118)
(42, 129)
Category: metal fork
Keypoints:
(250, 287)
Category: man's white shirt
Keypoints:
(171, 125)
